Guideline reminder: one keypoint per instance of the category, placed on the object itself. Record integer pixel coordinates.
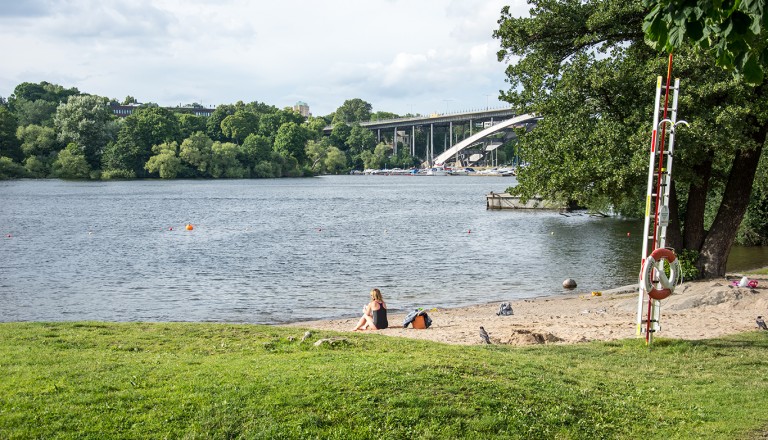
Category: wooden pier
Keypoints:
(507, 201)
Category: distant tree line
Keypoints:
(47, 130)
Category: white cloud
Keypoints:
(400, 56)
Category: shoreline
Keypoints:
(697, 310)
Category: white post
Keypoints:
(649, 195)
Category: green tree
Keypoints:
(37, 167)
(315, 127)
(10, 169)
(224, 161)
(316, 152)
(45, 91)
(378, 158)
(189, 124)
(39, 112)
(129, 100)
(37, 140)
(359, 139)
(291, 140)
(381, 116)
(196, 151)
(340, 134)
(260, 108)
(139, 132)
(353, 110)
(585, 67)
(213, 124)
(10, 146)
(166, 162)
(335, 161)
(255, 148)
(734, 32)
(84, 121)
(71, 163)
(239, 125)
(269, 124)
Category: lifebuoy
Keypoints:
(655, 262)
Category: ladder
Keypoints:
(657, 196)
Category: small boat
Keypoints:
(437, 171)
(462, 171)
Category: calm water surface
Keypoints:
(275, 251)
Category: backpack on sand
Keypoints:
(504, 310)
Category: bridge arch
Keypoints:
(447, 154)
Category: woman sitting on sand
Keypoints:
(374, 314)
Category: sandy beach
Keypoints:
(696, 310)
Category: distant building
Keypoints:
(122, 111)
(302, 108)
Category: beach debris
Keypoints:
(189, 227)
(761, 323)
(484, 336)
(569, 283)
(505, 309)
(307, 335)
(597, 293)
(528, 337)
(744, 282)
(331, 342)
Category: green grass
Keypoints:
(182, 380)
(763, 271)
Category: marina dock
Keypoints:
(507, 201)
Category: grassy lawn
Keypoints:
(191, 380)
(763, 271)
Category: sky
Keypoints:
(401, 56)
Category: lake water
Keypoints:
(284, 250)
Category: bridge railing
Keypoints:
(411, 119)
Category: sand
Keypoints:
(697, 310)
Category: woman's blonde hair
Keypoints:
(376, 295)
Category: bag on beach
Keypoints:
(418, 319)
(505, 309)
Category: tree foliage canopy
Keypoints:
(237, 140)
(353, 110)
(584, 66)
(734, 31)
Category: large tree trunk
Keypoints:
(674, 237)
(722, 234)
(694, 233)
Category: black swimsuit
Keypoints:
(380, 317)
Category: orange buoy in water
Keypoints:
(190, 227)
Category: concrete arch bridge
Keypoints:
(479, 136)
(403, 130)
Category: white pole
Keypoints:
(649, 194)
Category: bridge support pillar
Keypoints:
(394, 142)
(431, 144)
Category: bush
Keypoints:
(10, 169)
(263, 170)
(117, 174)
(688, 258)
(36, 167)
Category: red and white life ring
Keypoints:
(655, 262)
